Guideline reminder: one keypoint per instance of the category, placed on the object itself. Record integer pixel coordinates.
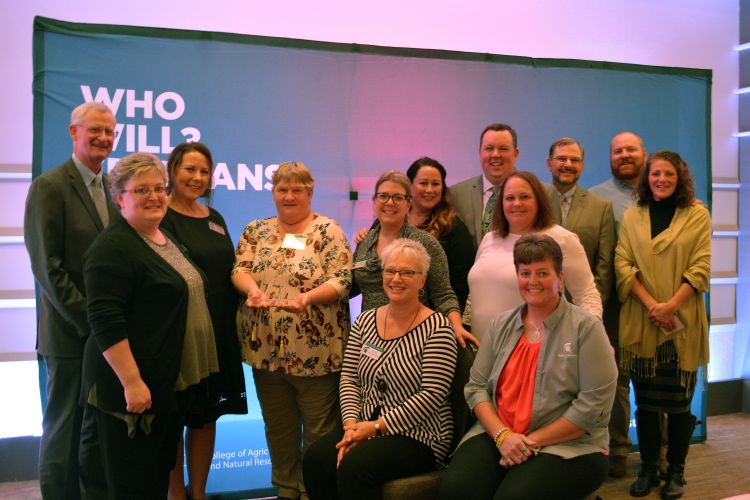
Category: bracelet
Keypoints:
(503, 435)
(497, 434)
(377, 429)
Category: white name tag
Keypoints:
(216, 228)
(371, 351)
(294, 241)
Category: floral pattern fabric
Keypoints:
(310, 343)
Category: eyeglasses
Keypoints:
(95, 131)
(405, 274)
(574, 160)
(398, 199)
(145, 192)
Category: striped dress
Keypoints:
(408, 383)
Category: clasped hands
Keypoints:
(516, 449)
(259, 300)
(354, 433)
(662, 314)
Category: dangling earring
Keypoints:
(421, 293)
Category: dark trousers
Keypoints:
(61, 430)
(364, 469)
(115, 466)
(474, 474)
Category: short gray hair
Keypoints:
(131, 166)
(413, 248)
(79, 113)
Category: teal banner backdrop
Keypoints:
(349, 112)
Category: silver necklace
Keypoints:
(536, 334)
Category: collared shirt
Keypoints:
(88, 176)
(619, 193)
(487, 188)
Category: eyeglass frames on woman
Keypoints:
(144, 192)
(405, 274)
(398, 199)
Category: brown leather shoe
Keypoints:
(618, 465)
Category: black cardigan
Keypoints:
(132, 293)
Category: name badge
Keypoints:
(371, 351)
(216, 228)
(359, 265)
(294, 241)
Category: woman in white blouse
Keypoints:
(523, 207)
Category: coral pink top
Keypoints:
(514, 393)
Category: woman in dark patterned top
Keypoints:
(391, 202)
(397, 373)
(432, 211)
(202, 231)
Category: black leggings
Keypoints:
(474, 474)
(364, 469)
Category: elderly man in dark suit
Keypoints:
(67, 207)
(473, 198)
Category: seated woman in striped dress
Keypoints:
(397, 372)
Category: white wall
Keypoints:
(685, 33)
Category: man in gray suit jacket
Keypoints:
(498, 151)
(66, 208)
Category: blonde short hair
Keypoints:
(291, 172)
(131, 166)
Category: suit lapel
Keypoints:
(82, 192)
(112, 208)
(576, 207)
(554, 196)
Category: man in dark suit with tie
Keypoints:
(498, 151)
(66, 208)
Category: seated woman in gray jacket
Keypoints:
(541, 387)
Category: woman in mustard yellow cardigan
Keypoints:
(663, 261)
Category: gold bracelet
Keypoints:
(497, 434)
(502, 437)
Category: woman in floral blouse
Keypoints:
(295, 270)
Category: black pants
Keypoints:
(115, 466)
(474, 474)
(364, 469)
(61, 430)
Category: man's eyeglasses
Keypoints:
(145, 192)
(96, 131)
(574, 160)
(405, 274)
(398, 199)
